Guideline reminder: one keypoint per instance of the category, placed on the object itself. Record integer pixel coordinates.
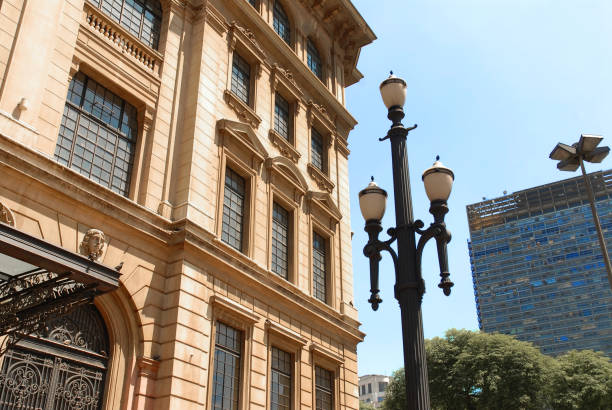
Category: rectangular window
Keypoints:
(369, 388)
(324, 387)
(382, 386)
(363, 389)
(316, 149)
(226, 376)
(241, 78)
(97, 136)
(280, 389)
(281, 117)
(233, 209)
(319, 267)
(280, 241)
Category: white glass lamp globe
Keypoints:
(393, 91)
(438, 181)
(372, 202)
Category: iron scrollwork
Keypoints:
(436, 230)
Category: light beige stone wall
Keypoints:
(178, 278)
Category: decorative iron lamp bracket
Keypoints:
(372, 250)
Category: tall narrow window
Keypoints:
(281, 23)
(280, 241)
(324, 386)
(280, 384)
(282, 118)
(314, 60)
(97, 135)
(316, 149)
(142, 18)
(319, 267)
(241, 78)
(233, 209)
(226, 376)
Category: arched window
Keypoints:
(314, 60)
(142, 18)
(62, 368)
(281, 23)
(98, 133)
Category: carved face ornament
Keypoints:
(93, 243)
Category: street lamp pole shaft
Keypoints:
(602, 241)
(407, 281)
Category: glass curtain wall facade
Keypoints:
(537, 266)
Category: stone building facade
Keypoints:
(208, 142)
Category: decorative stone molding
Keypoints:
(284, 78)
(289, 172)
(323, 182)
(284, 146)
(6, 215)
(320, 113)
(323, 201)
(244, 112)
(341, 146)
(120, 38)
(216, 19)
(147, 367)
(92, 244)
(244, 135)
(234, 309)
(327, 354)
(244, 39)
(286, 333)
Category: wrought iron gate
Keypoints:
(63, 368)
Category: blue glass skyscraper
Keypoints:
(537, 266)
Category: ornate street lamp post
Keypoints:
(409, 284)
(571, 157)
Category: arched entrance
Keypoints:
(63, 368)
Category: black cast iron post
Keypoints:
(409, 284)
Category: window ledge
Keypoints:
(320, 178)
(284, 146)
(244, 112)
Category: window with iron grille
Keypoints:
(314, 59)
(97, 135)
(142, 18)
(280, 241)
(226, 376)
(281, 23)
(280, 384)
(233, 209)
(316, 150)
(324, 386)
(241, 78)
(282, 118)
(319, 267)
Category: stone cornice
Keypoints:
(48, 172)
(232, 262)
(284, 147)
(295, 64)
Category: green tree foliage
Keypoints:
(473, 370)
(582, 380)
(395, 395)
(366, 406)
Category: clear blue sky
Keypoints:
(493, 86)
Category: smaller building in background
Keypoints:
(372, 388)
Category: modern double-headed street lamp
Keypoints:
(409, 284)
(571, 157)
